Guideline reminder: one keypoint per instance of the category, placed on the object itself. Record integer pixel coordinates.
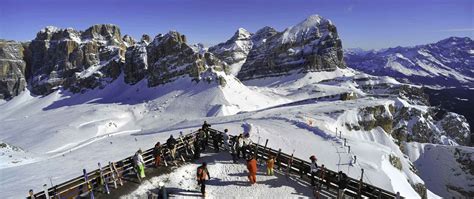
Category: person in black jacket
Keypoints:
(216, 141)
(205, 128)
(342, 184)
(197, 147)
(157, 154)
(171, 142)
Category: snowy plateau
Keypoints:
(130, 95)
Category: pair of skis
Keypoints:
(88, 184)
(116, 176)
(103, 180)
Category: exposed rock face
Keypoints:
(167, 58)
(75, 60)
(456, 127)
(12, 69)
(170, 57)
(312, 45)
(128, 40)
(235, 50)
(136, 64)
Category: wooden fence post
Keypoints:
(359, 191)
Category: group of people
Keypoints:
(238, 146)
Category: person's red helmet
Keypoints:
(313, 158)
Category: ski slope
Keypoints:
(63, 133)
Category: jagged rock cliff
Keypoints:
(74, 59)
(311, 45)
(12, 69)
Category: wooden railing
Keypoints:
(355, 187)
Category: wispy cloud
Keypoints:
(457, 30)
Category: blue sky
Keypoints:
(361, 23)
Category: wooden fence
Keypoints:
(356, 188)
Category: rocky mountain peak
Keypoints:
(145, 39)
(128, 40)
(235, 50)
(105, 32)
(311, 45)
(312, 27)
(241, 34)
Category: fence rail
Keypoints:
(355, 188)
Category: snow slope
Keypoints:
(64, 132)
(447, 170)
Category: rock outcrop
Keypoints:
(312, 45)
(74, 59)
(12, 69)
(170, 57)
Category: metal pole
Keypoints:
(349, 149)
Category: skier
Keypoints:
(205, 127)
(322, 175)
(225, 136)
(31, 194)
(240, 146)
(270, 164)
(234, 150)
(157, 154)
(203, 175)
(162, 193)
(216, 141)
(252, 167)
(314, 169)
(342, 184)
(197, 147)
(139, 163)
(247, 142)
(202, 139)
(171, 142)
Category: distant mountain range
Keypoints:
(446, 63)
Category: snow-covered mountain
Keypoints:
(449, 62)
(292, 87)
(311, 45)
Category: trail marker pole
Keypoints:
(345, 141)
(349, 147)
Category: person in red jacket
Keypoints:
(252, 167)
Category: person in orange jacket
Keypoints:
(252, 167)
